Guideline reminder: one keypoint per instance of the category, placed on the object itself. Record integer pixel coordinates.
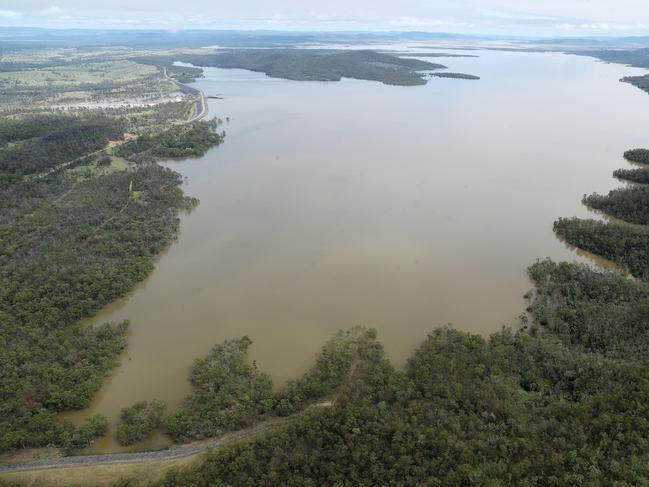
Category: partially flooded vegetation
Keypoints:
(334, 204)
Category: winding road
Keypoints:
(201, 102)
(201, 112)
(137, 457)
(180, 451)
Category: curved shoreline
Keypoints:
(201, 103)
(137, 457)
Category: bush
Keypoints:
(228, 394)
(139, 421)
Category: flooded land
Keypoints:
(335, 204)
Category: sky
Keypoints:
(501, 17)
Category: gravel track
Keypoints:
(137, 457)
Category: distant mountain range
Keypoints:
(31, 37)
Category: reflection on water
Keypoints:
(339, 204)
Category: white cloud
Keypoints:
(527, 17)
(51, 11)
(9, 14)
(606, 26)
(565, 26)
(498, 14)
(418, 22)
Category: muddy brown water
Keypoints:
(354, 203)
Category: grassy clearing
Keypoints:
(103, 83)
(81, 173)
(77, 75)
(106, 475)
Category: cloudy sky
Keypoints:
(509, 17)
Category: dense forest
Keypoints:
(70, 243)
(32, 145)
(315, 64)
(628, 204)
(191, 140)
(230, 394)
(638, 175)
(640, 156)
(626, 245)
(638, 58)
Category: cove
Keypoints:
(332, 205)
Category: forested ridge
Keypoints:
(633, 57)
(73, 238)
(313, 64)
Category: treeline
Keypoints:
(315, 64)
(191, 140)
(637, 155)
(626, 245)
(628, 204)
(334, 365)
(639, 175)
(638, 58)
(641, 82)
(592, 311)
(69, 245)
(20, 128)
(230, 394)
(560, 403)
(60, 264)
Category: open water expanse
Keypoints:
(350, 203)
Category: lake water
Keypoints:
(354, 203)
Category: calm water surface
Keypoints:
(354, 203)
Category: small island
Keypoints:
(454, 76)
